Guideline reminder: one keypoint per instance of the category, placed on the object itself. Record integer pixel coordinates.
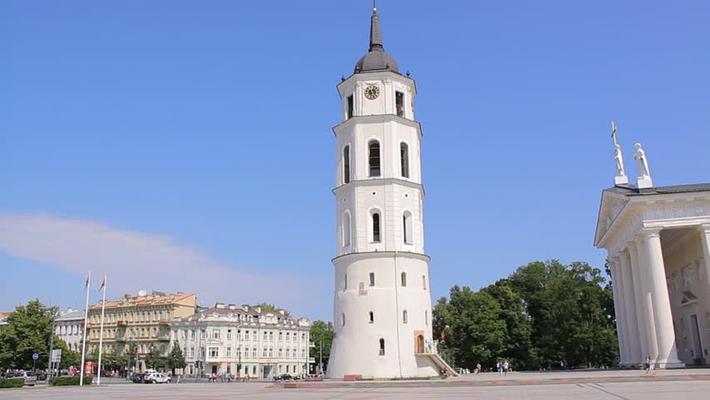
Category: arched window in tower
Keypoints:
(404, 316)
(350, 106)
(376, 227)
(346, 229)
(372, 317)
(374, 157)
(424, 282)
(372, 279)
(382, 347)
(346, 164)
(342, 319)
(399, 103)
(404, 159)
(404, 279)
(407, 227)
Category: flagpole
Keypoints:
(101, 331)
(86, 322)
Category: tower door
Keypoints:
(420, 343)
(695, 338)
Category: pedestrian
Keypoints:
(505, 366)
(478, 368)
(648, 365)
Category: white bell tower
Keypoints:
(382, 306)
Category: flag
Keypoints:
(86, 285)
(103, 284)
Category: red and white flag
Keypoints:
(103, 284)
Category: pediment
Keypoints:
(611, 206)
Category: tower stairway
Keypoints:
(439, 362)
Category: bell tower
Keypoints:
(382, 305)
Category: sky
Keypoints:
(187, 146)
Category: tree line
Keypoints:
(544, 315)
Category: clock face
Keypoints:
(371, 92)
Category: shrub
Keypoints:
(68, 381)
(11, 383)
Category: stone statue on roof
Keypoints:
(620, 177)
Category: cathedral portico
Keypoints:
(658, 241)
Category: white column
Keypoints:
(641, 317)
(632, 331)
(619, 310)
(646, 299)
(705, 240)
(661, 305)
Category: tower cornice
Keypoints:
(379, 254)
(379, 118)
(379, 181)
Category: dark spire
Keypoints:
(375, 33)
(376, 59)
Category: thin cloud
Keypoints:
(133, 260)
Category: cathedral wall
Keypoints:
(686, 274)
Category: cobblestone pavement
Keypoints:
(625, 385)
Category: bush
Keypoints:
(11, 383)
(68, 381)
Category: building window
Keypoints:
(229, 351)
(346, 229)
(350, 106)
(382, 347)
(426, 317)
(342, 319)
(229, 334)
(399, 103)
(374, 157)
(376, 227)
(372, 279)
(404, 279)
(407, 227)
(253, 352)
(372, 317)
(346, 164)
(215, 333)
(424, 282)
(404, 316)
(345, 283)
(404, 159)
(214, 352)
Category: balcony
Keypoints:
(163, 338)
(120, 339)
(121, 323)
(164, 322)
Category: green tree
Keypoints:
(176, 359)
(543, 314)
(571, 309)
(470, 326)
(154, 359)
(271, 308)
(28, 330)
(321, 334)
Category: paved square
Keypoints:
(629, 385)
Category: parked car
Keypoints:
(28, 378)
(137, 377)
(156, 377)
(283, 377)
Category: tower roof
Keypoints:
(376, 58)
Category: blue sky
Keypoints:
(187, 145)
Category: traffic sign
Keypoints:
(35, 356)
(56, 355)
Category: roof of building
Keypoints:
(376, 59)
(70, 314)
(220, 310)
(154, 299)
(634, 191)
(4, 314)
